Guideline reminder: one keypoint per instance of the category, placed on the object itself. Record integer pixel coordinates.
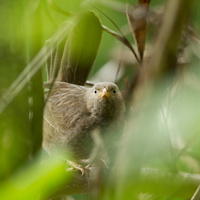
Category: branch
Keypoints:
(148, 177)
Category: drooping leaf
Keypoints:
(80, 49)
(137, 22)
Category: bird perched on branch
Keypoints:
(72, 112)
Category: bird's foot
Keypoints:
(82, 169)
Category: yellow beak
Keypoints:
(104, 93)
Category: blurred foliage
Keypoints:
(31, 181)
(162, 130)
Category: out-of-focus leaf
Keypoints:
(147, 141)
(36, 180)
(81, 48)
(15, 142)
(57, 8)
(36, 98)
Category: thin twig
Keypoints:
(196, 195)
(123, 39)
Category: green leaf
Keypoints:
(81, 48)
(36, 180)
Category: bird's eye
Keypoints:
(114, 91)
(95, 91)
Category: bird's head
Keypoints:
(105, 99)
(105, 90)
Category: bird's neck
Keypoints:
(104, 112)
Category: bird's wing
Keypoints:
(66, 110)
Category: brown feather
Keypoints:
(72, 112)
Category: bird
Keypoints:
(72, 112)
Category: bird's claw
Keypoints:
(78, 167)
